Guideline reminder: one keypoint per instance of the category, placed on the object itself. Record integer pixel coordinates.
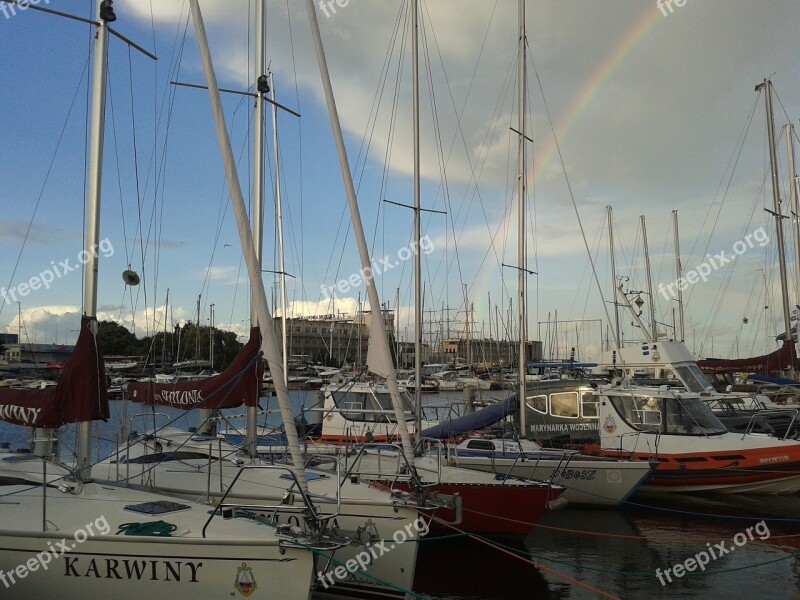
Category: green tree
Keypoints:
(226, 347)
(160, 348)
(193, 338)
(114, 339)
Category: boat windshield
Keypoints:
(671, 415)
(385, 401)
(692, 378)
(371, 405)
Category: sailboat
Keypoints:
(193, 465)
(783, 360)
(186, 464)
(488, 504)
(75, 537)
(587, 479)
(673, 426)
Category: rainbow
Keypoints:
(546, 155)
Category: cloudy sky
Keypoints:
(652, 106)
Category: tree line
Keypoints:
(186, 342)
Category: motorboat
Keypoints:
(592, 480)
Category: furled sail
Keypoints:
(239, 384)
(379, 356)
(477, 420)
(81, 393)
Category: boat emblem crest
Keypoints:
(610, 425)
(245, 580)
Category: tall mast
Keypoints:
(378, 353)
(613, 274)
(270, 342)
(678, 274)
(776, 207)
(396, 325)
(279, 219)
(105, 15)
(649, 276)
(522, 367)
(359, 312)
(19, 332)
(211, 337)
(489, 298)
(417, 225)
(197, 334)
(467, 326)
(793, 195)
(258, 195)
(164, 340)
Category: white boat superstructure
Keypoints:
(360, 411)
(694, 450)
(205, 467)
(75, 540)
(587, 479)
(671, 361)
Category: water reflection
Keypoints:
(630, 545)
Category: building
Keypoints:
(406, 353)
(331, 339)
(6, 339)
(36, 358)
(495, 352)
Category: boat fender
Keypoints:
(557, 504)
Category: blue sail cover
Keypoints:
(477, 420)
(775, 380)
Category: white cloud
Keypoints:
(647, 111)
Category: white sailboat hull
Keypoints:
(82, 555)
(590, 481)
(361, 508)
(125, 567)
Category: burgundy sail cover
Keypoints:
(782, 358)
(81, 393)
(239, 384)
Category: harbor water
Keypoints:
(658, 546)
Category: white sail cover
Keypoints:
(379, 358)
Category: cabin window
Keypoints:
(589, 405)
(384, 401)
(668, 415)
(537, 403)
(351, 406)
(693, 378)
(352, 411)
(647, 419)
(485, 445)
(564, 404)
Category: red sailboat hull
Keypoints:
(494, 509)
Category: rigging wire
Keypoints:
(298, 104)
(732, 164)
(572, 196)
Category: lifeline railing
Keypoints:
(754, 418)
(306, 509)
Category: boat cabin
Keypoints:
(658, 410)
(561, 412)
